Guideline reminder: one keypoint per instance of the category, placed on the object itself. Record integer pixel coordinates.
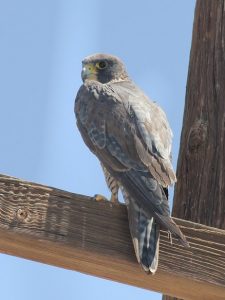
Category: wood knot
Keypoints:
(197, 135)
(22, 214)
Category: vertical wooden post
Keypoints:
(200, 190)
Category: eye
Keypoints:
(101, 64)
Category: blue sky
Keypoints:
(42, 45)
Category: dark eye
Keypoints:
(101, 64)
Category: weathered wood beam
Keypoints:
(75, 232)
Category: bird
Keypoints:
(131, 137)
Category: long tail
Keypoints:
(145, 235)
(150, 195)
(148, 210)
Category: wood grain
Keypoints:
(200, 189)
(76, 232)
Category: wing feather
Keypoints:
(152, 134)
(137, 129)
(133, 152)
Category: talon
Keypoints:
(100, 198)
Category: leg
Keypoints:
(112, 184)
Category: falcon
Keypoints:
(131, 137)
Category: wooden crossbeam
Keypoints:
(75, 232)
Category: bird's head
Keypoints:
(103, 68)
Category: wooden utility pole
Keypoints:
(200, 190)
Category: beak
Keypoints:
(89, 72)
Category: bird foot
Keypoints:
(100, 198)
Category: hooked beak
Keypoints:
(89, 72)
